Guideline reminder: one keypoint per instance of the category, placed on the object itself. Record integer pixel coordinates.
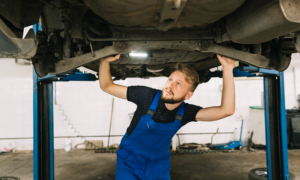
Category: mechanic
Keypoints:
(144, 149)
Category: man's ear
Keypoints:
(188, 95)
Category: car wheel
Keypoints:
(261, 174)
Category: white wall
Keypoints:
(292, 81)
(15, 103)
(88, 108)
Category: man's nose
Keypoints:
(172, 85)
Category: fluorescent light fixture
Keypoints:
(138, 54)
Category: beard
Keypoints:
(171, 100)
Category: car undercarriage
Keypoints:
(260, 33)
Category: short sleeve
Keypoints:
(140, 94)
(190, 112)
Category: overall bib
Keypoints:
(145, 153)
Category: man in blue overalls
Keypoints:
(144, 150)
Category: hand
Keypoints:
(226, 62)
(111, 58)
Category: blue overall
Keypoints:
(145, 153)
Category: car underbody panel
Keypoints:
(137, 13)
(260, 33)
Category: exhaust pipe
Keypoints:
(258, 21)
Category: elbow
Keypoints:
(103, 88)
(229, 112)
(106, 88)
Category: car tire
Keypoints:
(261, 174)
(9, 178)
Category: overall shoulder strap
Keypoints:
(154, 103)
(180, 112)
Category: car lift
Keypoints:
(275, 118)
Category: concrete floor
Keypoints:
(87, 165)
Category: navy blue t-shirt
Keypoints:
(143, 96)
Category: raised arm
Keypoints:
(105, 80)
(227, 106)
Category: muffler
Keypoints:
(258, 21)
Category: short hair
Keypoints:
(191, 76)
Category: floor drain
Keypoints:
(9, 178)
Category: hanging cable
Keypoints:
(103, 150)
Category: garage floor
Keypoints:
(87, 165)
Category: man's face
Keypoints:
(176, 89)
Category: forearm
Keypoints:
(228, 93)
(105, 79)
(227, 107)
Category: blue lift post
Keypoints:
(43, 151)
(276, 128)
(275, 119)
(283, 128)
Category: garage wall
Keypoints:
(88, 108)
